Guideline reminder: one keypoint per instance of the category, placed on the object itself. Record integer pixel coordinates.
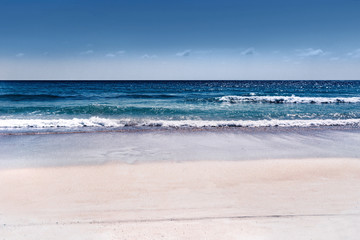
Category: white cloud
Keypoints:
(19, 55)
(146, 56)
(248, 52)
(354, 54)
(185, 53)
(88, 52)
(310, 52)
(118, 53)
(203, 51)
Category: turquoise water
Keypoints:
(28, 106)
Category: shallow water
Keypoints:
(139, 147)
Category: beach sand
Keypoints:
(259, 199)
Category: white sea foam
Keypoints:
(288, 99)
(59, 123)
(258, 123)
(105, 123)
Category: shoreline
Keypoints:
(227, 129)
(230, 126)
(102, 200)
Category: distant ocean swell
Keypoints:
(48, 97)
(251, 98)
(35, 97)
(106, 123)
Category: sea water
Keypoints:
(57, 123)
(71, 106)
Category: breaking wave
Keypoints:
(106, 123)
(288, 99)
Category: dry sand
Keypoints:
(267, 199)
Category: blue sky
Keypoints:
(243, 39)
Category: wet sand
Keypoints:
(258, 199)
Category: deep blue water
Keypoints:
(105, 105)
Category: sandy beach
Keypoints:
(262, 199)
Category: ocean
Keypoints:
(77, 106)
(61, 123)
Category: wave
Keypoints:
(94, 110)
(251, 98)
(140, 96)
(29, 97)
(97, 122)
(49, 97)
(288, 99)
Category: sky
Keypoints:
(180, 39)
